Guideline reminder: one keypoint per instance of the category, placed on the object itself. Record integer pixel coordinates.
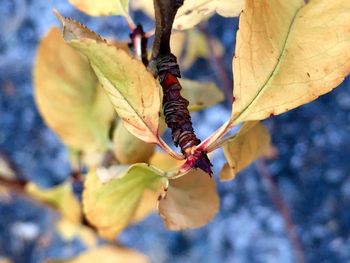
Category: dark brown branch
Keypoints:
(175, 107)
(283, 208)
(139, 44)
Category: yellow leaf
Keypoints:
(191, 201)
(61, 197)
(70, 231)
(250, 143)
(129, 149)
(69, 97)
(110, 205)
(106, 254)
(147, 205)
(6, 171)
(102, 7)
(131, 88)
(288, 53)
(201, 95)
(164, 162)
(194, 11)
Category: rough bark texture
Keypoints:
(175, 107)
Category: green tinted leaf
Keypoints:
(110, 205)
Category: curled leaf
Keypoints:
(190, 201)
(250, 143)
(69, 97)
(102, 7)
(131, 88)
(112, 204)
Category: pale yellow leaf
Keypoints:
(201, 95)
(111, 205)
(6, 171)
(165, 162)
(131, 88)
(60, 197)
(70, 231)
(251, 142)
(191, 201)
(129, 149)
(194, 11)
(288, 53)
(106, 254)
(102, 7)
(69, 97)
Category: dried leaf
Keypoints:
(194, 11)
(191, 201)
(102, 7)
(106, 254)
(131, 88)
(288, 53)
(201, 95)
(128, 149)
(250, 143)
(61, 197)
(111, 205)
(69, 97)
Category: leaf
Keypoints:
(131, 88)
(194, 11)
(61, 197)
(102, 7)
(191, 201)
(128, 149)
(6, 171)
(201, 95)
(111, 205)
(69, 97)
(191, 45)
(70, 231)
(106, 254)
(164, 161)
(251, 142)
(288, 53)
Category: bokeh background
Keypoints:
(311, 169)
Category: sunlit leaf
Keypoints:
(70, 231)
(131, 88)
(194, 11)
(129, 149)
(106, 254)
(288, 53)
(191, 201)
(60, 197)
(201, 95)
(164, 161)
(102, 7)
(111, 205)
(69, 97)
(251, 142)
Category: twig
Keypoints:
(164, 65)
(283, 208)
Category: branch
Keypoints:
(283, 208)
(164, 65)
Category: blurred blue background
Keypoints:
(311, 171)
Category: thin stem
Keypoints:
(283, 208)
(170, 151)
